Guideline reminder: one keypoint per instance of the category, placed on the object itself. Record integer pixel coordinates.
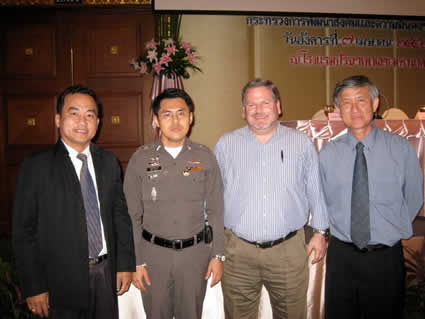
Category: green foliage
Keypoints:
(12, 305)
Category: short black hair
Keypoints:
(172, 93)
(78, 89)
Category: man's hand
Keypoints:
(215, 268)
(141, 277)
(318, 245)
(123, 282)
(39, 304)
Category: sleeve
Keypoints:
(215, 206)
(122, 222)
(314, 191)
(30, 268)
(219, 155)
(413, 190)
(133, 194)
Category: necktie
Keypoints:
(91, 207)
(360, 220)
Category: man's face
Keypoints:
(357, 108)
(78, 120)
(260, 110)
(174, 119)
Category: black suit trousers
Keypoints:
(102, 299)
(364, 285)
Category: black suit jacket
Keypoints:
(49, 225)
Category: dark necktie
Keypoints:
(91, 207)
(360, 220)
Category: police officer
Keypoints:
(174, 191)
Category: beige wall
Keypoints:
(234, 53)
(224, 45)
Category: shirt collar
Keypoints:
(368, 141)
(187, 145)
(74, 153)
(279, 131)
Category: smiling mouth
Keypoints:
(81, 131)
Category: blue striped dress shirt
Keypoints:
(270, 189)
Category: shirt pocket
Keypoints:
(386, 189)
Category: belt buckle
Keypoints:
(259, 244)
(179, 242)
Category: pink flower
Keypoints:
(143, 68)
(158, 68)
(151, 44)
(186, 46)
(191, 58)
(165, 59)
(171, 50)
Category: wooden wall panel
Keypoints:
(42, 52)
(31, 120)
(110, 50)
(31, 51)
(121, 120)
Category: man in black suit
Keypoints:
(72, 234)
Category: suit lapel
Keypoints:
(65, 166)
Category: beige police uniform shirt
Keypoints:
(170, 197)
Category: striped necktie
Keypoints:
(91, 207)
(360, 219)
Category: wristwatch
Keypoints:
(221, 258)
(324, 232)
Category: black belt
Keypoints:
(270, 244)
(95, 261)
(176, 244)
(366, 249)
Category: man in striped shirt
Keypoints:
(271, 186)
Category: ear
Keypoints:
(243, 112)
(279, 108)
(190, 118)
(155, 121)
(375, 104)
(57, 120)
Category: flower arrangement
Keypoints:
(167, 57)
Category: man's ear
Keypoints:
(57, 120)
(375, 104)
(155, 121)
